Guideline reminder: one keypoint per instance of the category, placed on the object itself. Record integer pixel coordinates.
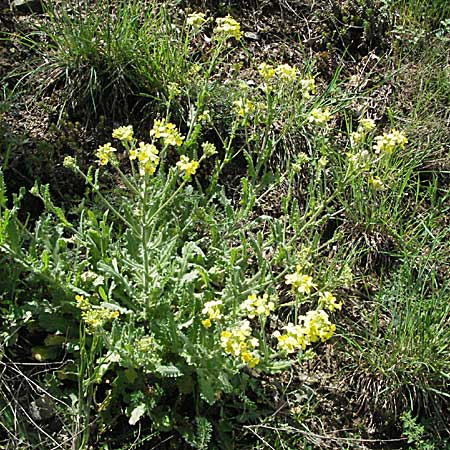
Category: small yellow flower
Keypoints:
(389, 141)
(95, 318)
(227, 28)
(82, 302)
(159, 129)
(173, 89)
(359, 161)
(243, 107)
(206, 323)
(300, 282)
(286, 73)
(238, 342)
(147, 155)
(209, 149)
(124, 134)
(356, 137)
(366, 124)
(294, 338)
(266, 71)
(318, 326)
(328, 301)
(70, 162)
(322, 163)
(375, 183)
(196, 20)
(166, 131)
(319, 116)
(105, 154)
(205, 116)
(308, 87)
(187, 166)
(212, 310)
(258, 306)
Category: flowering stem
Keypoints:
(144, 240)
(104, 200)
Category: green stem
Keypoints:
(104, 200)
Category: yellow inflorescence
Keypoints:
(105, 153)
(358, 136)
(375, 183)
(319, 116)
(300, 283)
(124, 134)
(213, 310)
(82, 302)
(238, 342)
(243, 107)
(256, 306)
(227, 28)
(147, 155)
(286, 73)
(366, 124)
(283, 72)
(208, 149)
(314, 326)
(94, 317)
(196, 20)
(329, 301)
(267, 71)
(308, 86)
(168, 132)
(389, 141)
(189, 167)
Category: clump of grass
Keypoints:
(106, 56)
(402, 351)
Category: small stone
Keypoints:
(27, 6)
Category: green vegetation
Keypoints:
(211, 247)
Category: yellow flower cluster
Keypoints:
(124, 134)
(314, 326)
(166, 131)
(286, 73)
(360, 160)
(82, 302)
(189, 167)
(389, 141)
(94, 317)
(258, 306)
(146, 344)
(266, 71)
(105, 154)
(308, 87)
(212, 310)
(283, 72)
(243, 107)
(300, 283)
(375, 183)
(70, 162)
(319, 116)
(208, 149)
(365, 125)
(147, 155)
(227, 28)
(238, 342)
(196, 20)
(329, 301)
(293, 339)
